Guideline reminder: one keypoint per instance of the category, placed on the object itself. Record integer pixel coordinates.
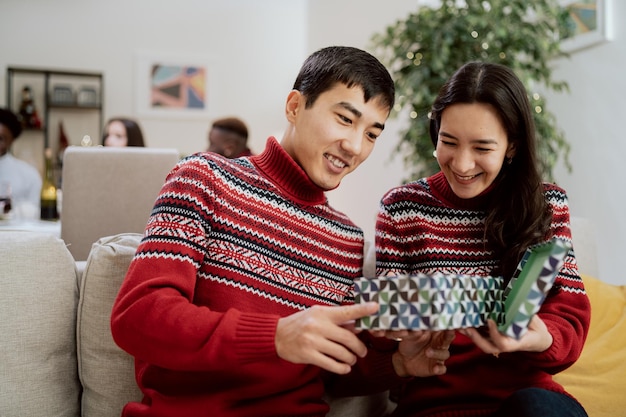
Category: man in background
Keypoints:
(23, 179)
(229, 137)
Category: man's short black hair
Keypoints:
(10, 120)
(349, 66)
(232, 124)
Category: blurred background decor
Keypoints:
(589, 23)
(426, 47)
(172, 85)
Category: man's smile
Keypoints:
(335, 161)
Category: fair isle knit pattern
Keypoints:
(424, 227)
(241, 230)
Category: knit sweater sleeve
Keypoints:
(566, 310)
(156, 316)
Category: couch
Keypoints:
(57, 357)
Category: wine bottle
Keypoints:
(49, 191)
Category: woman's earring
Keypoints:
(435, 154)
(509, 160)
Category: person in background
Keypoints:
(120, 131)
(477, 216)
(229, 137)
(239, 300)
(24, 179)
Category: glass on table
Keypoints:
(5, 199)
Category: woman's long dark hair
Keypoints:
(519, 215)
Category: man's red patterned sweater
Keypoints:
(230, 247)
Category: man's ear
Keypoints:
(294, 101)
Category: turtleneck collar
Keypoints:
(441, 189)
(279, 167)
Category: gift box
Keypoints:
(530, 285)
(452, 301)
(430, 301)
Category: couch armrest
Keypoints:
(38, 298)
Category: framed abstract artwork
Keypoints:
(175, 86)
(590, 21)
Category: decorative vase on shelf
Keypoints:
(28, 113)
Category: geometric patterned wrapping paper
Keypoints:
(530, 285)
(430, 302)
(450, 301)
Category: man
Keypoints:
(23, 178)
(229, 137)
(238, 301)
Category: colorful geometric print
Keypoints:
(452, 301)
(429, 302)
(178, 87)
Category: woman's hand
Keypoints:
(536, 339)
(420, 352)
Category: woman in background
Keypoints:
(121, 132)
(477, 216)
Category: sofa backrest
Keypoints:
(38, 298)
(109, 190)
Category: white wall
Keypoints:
(258, 47)
(592, 116)
(254, 49)
(352, 22)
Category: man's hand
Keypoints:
(420, 352)
(321, 336)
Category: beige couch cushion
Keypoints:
(106, 372)
(38, 297)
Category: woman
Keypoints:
(477, 216)
(122, 132)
